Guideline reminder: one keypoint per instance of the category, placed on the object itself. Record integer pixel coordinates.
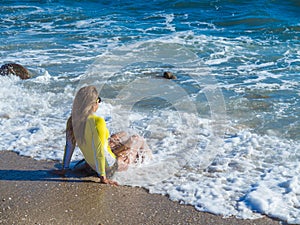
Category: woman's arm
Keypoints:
(98, 145)
(69, 149)
(70, 144)
(103, 135)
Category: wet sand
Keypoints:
(29, 194)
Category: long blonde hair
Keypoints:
(83, 104)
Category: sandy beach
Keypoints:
(29, 194)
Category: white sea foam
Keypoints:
(35, 123)
(254, 175)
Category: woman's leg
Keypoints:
(117, 140)
(129, 149)
(116, 143)
(135, 149)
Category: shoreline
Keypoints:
(32, 195)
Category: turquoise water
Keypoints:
(237, 65)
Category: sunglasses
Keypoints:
(98, 100)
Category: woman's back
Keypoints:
(95, 149)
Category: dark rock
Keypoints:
(169, 75)
(15, 69)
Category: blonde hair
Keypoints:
(83, 104)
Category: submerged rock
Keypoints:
(4, 116)
(15, 69)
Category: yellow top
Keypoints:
(96, 150)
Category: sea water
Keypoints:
(224, 134)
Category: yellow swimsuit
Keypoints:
(96, 150)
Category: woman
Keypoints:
(103, 154)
